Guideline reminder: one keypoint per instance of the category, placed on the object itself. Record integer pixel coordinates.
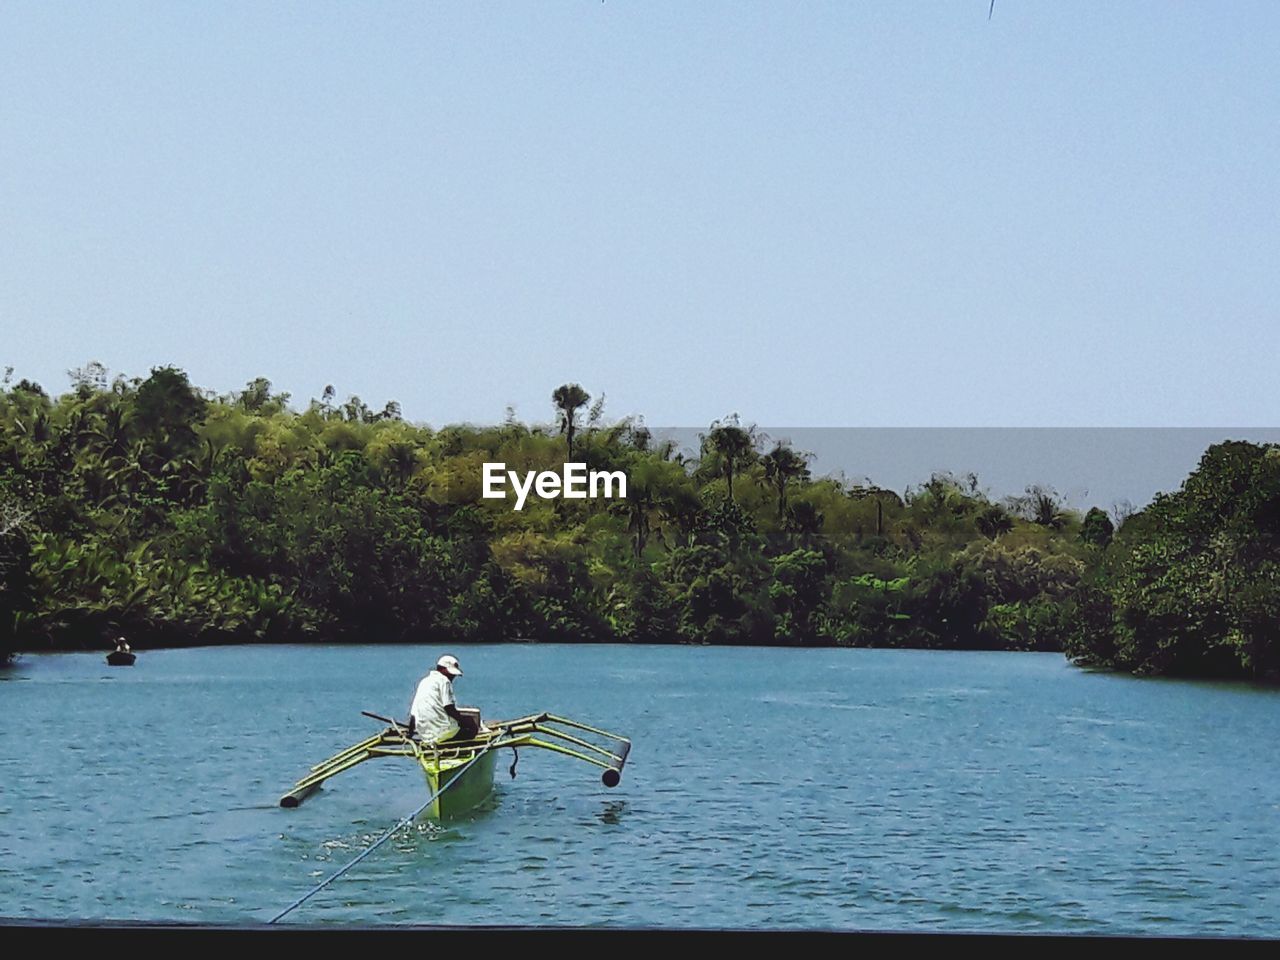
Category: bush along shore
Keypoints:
(179, 516)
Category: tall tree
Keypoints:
(1097, 528)
(731, 446)
(781, 466)
(569, 399)
(167, 410)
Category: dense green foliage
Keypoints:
(177, 516)
(1194, 580)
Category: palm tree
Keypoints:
(992, 520)
(732, 445)
(655, 491)
(781, 466)
(1047, 511)
(569, 399)
(637, 508)
(1041, 506)
(111, 437)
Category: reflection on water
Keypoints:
(612, 811)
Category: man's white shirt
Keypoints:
(430, 721)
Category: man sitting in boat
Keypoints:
(122, 646)
(434, 713)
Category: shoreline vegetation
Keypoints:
(179, 516)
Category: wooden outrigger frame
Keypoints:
(443, 762)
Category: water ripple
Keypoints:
(942, 792)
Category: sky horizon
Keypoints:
(830, 215)
(1118, 469)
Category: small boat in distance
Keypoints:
(459, 773)
(121, 656)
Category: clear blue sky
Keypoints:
(826, 214)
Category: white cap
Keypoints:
(450, 665)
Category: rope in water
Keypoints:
(382, 839)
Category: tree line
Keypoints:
(180, 516)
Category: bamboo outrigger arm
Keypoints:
(537, 730)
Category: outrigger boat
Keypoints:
(459, 773)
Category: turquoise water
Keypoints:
(847, 789)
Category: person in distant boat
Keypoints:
(122, 645)
(434, 712)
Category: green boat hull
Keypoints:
(472, 787)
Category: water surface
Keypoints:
(767, 788)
